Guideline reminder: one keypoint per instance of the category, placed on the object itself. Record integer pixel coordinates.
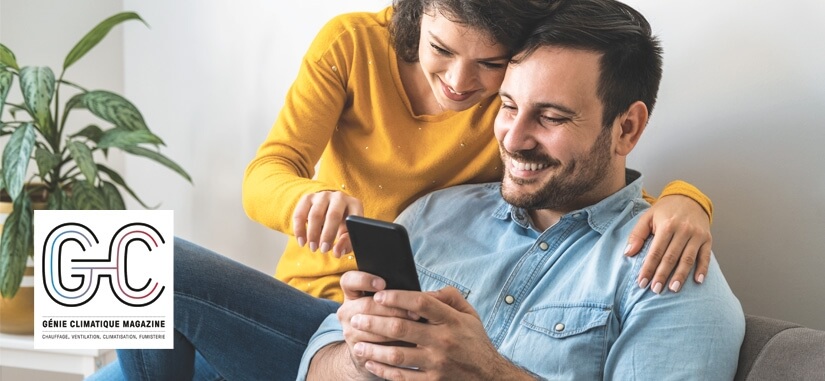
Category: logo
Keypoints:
(103, 279)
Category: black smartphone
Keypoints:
(383, 248)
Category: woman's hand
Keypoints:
(319, 220)
(681, 238)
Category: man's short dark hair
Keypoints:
(631, 61)
(507, 22)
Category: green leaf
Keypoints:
(114, 201)
(87, 197)
(114, 109)
(119, 181)
(16, 245)
(58, 200)
(6, 80)
(91, 132)
(7, 57)
(46, 161)
(121, 137)
(16, 158)
(91, 39)
(2, 183)
(76, 101)
(37, 84)
(158, 157)
(82, 155)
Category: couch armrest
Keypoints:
(779, 350)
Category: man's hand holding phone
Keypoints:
(451, 345)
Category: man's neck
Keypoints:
(543, 219)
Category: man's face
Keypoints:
(462, 65)
(555, 151)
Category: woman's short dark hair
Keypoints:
(631, 62)
(507, 22)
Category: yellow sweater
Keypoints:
(348, 108)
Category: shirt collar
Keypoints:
(599, 216)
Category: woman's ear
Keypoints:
(631, 124)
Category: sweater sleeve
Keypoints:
(284, 165)
(683, 188)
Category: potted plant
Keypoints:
(69, 171)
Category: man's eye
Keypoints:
(552, 121)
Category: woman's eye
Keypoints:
(492, 65)
(440, 50)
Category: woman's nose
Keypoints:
(461, 77)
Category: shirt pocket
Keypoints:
(431, 281)
(565, 339)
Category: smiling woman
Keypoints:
(394, 126)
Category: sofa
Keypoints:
(780, 350)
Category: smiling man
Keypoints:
(529, 277)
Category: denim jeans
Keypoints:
(231, 322)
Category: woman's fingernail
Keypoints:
(700, 278)
(324, 247)
(627, 249)
(302, 241)
(675, 286)
(313, 246)
(657, 288)
(643, 283)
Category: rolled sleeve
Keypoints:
(330, 331)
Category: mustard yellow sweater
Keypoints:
(348, 109)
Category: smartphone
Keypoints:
(383, 248)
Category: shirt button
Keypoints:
(576, 215)
(543, 246)
(509, 299)
(559, 327)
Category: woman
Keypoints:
(399, 103)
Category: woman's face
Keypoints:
(462, 65)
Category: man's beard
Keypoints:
(562, 190)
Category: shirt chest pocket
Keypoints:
(563, 338)
(431, 281)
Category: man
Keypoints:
(525, 278)
(533, 284)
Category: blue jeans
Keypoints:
(231, 322)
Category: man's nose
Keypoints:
(518, 134)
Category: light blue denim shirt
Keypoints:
(564, 303)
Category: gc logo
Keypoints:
(72, 282)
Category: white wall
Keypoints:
(740, 115)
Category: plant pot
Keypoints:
(17, 313)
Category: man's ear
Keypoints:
(631, 124)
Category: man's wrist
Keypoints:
(334, 362)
